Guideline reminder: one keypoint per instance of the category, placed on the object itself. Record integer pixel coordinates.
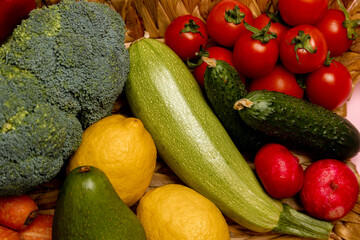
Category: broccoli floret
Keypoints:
(77, 50)
(60, 71)
(35, 137)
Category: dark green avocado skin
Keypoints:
(302, 125)
(223, 87)
(89, 208)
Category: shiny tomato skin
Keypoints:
(252, 58)
(186, 44)
(298, 12)
(276, 27)
(331, 25)
(280, 80)
(218, 53)
(279, 171)
(329, 86)
(307, 62)
(222, 32)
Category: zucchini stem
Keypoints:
(296, 223)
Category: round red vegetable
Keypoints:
(329, 86)
(255, 52)
(279, 171)
(225, 21)
(338, 30)
(280, 80)
(186, 35)
(276, 26)
(12, 12)
(218, 53)
(303, 49)
(297, 12)
(330, 189)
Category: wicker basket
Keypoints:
(150, 18)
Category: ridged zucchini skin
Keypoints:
(164, 95)
(302, 125)
(223, 87)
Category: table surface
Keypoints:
(353, 115)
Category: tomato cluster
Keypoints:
(290, 50)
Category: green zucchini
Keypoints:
(300, 124)
(223, 87)
(164, 95)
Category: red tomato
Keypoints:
(253, 58)
(280, 80)
(330, 86)
(12, 12)
(276, 27)
(279, 171)
(218, 53)
(331, 25)
(225, 21)
(303, 49)
(298, 12)
(185, 35)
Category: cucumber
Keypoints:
(223, 87)
(300, 124)
(163, 94)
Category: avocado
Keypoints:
(89, 208)
(300, 124)
(223, 87)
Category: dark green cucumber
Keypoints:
(300, 124)
(223, 87)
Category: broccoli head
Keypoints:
(60, 71)
(77, 50)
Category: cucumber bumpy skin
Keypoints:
(163, 93)
(300, 124)
(223, 87)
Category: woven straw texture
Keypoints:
(150, 18)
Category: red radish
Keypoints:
(16, 212)
(330, 189)
(11, 14)
(39, 229)
(279, 170)
(8, 234)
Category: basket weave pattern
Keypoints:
(151, 17)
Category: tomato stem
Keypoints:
(198, 60)
(349, 24)
(234, 15)
(302, 41)
(191, 27)
(328, 59)
(262, 35)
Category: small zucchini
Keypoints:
(223, 87)
(300, 124)
(165, 96)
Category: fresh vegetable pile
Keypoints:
(216, 97)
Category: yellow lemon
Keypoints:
(124, 150)
(177, 212)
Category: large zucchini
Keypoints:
(162, 92)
